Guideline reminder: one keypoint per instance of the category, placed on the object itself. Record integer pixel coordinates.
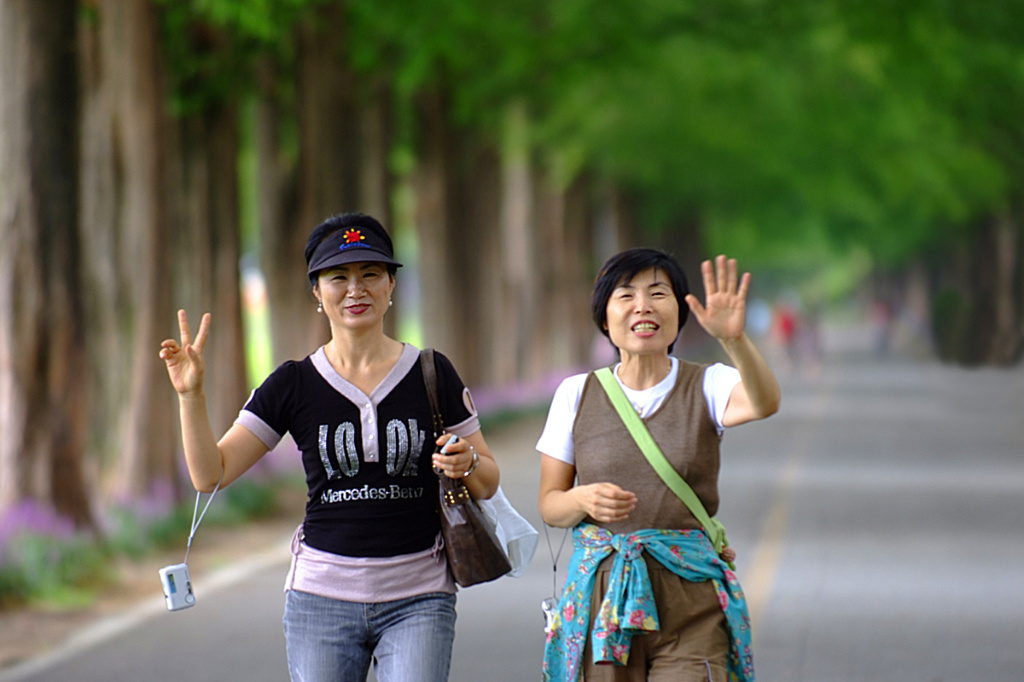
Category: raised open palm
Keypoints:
(185, 365)
(724, 313)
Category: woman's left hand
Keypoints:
(724, 315)
(457, 458)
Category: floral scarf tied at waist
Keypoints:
(628, 606)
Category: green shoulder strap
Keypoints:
(654, 455)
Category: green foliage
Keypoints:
(128, 534)
(245, 499)
(212, 46)
(58, 570)
(14, 586)
(808, 120)
(169, 530)
(783, 129)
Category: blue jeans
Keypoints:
(409, 640)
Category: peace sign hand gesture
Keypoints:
(185, 364)
(724, 315)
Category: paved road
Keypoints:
(885, 509)
(879, 519)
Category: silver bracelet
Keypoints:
(473, 466)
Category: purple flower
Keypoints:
(33, 517)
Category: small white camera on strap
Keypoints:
(175, 579)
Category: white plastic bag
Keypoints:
(517, 536)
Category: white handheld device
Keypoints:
(175, 579)
(177, 585)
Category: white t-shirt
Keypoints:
(556, 439)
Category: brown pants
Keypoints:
(692, 644)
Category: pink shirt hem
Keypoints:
(367, 579)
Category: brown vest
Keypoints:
(682, 428)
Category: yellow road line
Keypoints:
(759, 579)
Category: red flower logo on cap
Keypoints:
(352, 237)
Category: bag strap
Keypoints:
(454, 490)
(430, 380)
(657, 458)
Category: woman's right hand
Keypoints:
(185, 365)
(604, 502)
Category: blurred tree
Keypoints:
(287, 57)
(203, 207)
(324, 145)
(42, 394)
(539, 138)
(131, 66)
(437, 181)
(771, 127)
(463, 74)
(203, 197)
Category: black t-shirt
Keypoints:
(372, 490)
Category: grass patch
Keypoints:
(62, 572)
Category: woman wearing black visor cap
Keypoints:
(369, 579)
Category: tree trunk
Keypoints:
(473, 248)
(434, 182)
(1005, 264)
(950, 303)
(975, 302)
(208, 252)
(579, 222)
(553, 265)
(916, 309)
(42, 389)
(376, 131)
(614, 230)
(279, 231)
(375, 179)
(975, 307)
(227, 350)
(518, 267)
(685, 242)
(130, 59)
(326, 179)
(106, 288)
(486, 322)
(566, 276)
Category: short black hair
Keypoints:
(622, 268)
(341, 221)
